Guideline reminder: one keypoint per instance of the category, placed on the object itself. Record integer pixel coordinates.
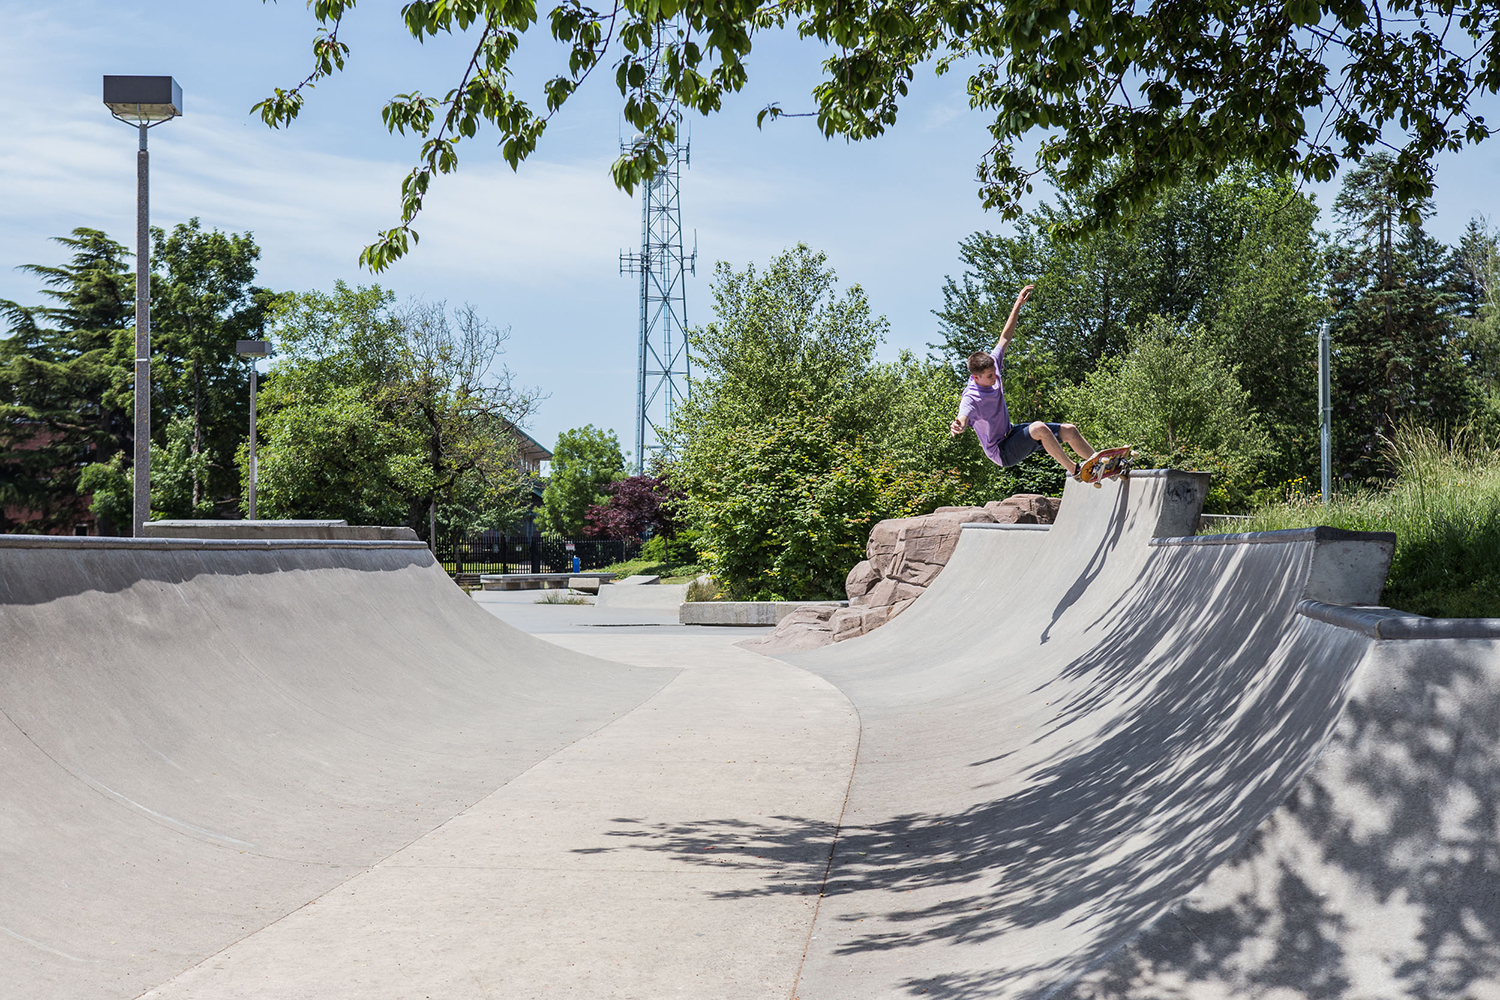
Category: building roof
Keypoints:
(528, 447)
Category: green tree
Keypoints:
(1479, 262)
(584, 462)
(1398, 297)
(1180, 404)
(178, 472)
(788, 518)
(1129, 100)
(66, 379)
(1238, 257)
(378, 414)
(202, 302)
(787, 391)
(782, 339)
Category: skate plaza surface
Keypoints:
(1106, 759)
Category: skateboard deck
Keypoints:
(1107, 464)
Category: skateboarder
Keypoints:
(982, 407)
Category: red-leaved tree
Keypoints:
(636, 505)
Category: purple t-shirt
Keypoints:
(986, 410)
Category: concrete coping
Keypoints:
(188, 544)
(745, 612)
(261, 529)
(1388, 623)
(986, 526)
(1318, 534)
(289, 523)
(520, 577)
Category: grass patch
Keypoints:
(1445, 510)
(707, 590)
(650, 567)
(561, 597)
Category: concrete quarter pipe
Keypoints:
(1074, 729)
(1104, 760)
(199, 737)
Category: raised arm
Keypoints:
(1009, 333)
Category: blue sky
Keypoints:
(537, 250)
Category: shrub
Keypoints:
(1180, 404)
(788, 516)
(1444, 507)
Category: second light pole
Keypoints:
(252, 349)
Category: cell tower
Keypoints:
(663, 267)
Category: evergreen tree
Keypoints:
(66, 381)
(1398, 348)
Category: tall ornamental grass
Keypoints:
(1444, 507)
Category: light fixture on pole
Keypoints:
(252, 349)
(142, 101)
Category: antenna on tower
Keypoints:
(663, 266)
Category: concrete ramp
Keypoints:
(200, 737)
(1105, 760)
(1068, 733)
(1379, 876)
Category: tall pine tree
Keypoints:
(1398, 348)
(65, 383)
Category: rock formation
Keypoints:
(902, 557)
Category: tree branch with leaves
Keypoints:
(1127, 99)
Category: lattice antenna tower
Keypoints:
(663, 266)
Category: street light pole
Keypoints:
(142, 460)
(252, 349)
(1325, 407)
(142, 101)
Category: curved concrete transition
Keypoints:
(1103, 760)
(318, 769)
(1074, 730)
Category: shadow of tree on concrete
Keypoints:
(1380, 876)
(1079, 842)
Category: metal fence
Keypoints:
(495, 553)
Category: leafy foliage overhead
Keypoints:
(1128, 99)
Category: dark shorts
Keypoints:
(1018, 442)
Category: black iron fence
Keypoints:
(495, 553)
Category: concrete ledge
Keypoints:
(745, 612)
(986, 526)
(536, 581)
(1349, 567)
(95, 542)
(329, 529)
(653, 597)
(1318, 534)
(1388, 623)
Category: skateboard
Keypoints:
(1107, 464)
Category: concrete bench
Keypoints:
(536, 581)
(745, 612)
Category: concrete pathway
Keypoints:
(614, 868)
